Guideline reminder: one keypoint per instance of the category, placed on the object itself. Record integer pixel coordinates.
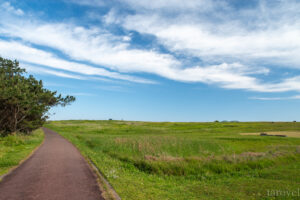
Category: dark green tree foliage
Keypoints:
(24, 102)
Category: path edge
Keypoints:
(11, 170)
(101, 179)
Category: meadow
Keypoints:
(15, 148)
(164, 160)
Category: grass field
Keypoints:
(147, 160)
(15, 148)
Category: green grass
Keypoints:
(147, 160)
(14, 148)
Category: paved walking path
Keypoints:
(56, 171)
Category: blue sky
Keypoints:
(196, 60)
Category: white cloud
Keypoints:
(29, 54)
(231, 76)
(276, 98)
(230, 52)
(99, 3)
(126, 38)
(110, 18)
(276, 45)
(117, 57)
(41, 70)
(93, 45)
(216, 31)
(171, 5)
(9, 8)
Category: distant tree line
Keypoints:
(24, 102)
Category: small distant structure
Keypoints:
(110, 119)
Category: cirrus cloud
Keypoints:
(231, 55)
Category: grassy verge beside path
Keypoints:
(15, 148)
(147, 160)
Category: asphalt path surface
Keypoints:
(56, 171)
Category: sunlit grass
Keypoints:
(148, 160)
(15, 148)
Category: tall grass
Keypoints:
(146, 160)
